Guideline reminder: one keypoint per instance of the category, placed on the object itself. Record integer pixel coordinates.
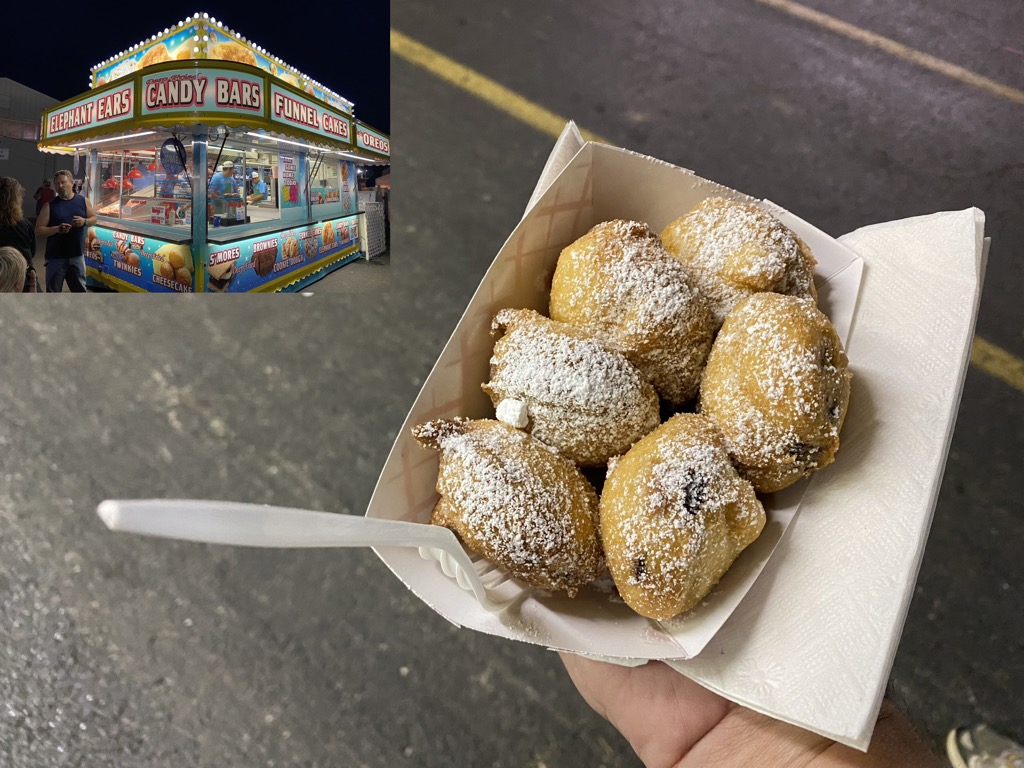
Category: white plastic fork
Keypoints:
(261, 525)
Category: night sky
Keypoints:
(348, 52)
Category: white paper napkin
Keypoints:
(814, 640)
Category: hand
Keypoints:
(673, 722)
(78, 221)
(64, 228)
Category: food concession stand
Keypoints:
(195, 104)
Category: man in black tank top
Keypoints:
(62, 222)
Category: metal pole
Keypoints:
(94, 176)
(200, 222)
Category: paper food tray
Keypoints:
(599, 183)
(813, 641)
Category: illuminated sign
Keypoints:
(207, 90)
(373, 141)
(193, 94)
(289, 107)
(104, 108)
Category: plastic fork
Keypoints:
(261, 525)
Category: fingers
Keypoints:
(669, 720)
(661, 713)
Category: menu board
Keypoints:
(349, 186)
(290, 175)
(149, 263)
(245, 265)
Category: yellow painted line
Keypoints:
(482, 87)
(990, 358)
(894, 48)
(998, 362)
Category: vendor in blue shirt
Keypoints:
(223, 185)
(259, 189)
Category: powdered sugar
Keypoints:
(582, 398)
(516, 502)
(736, 249)
(620, 282)
(777, 385)
(678, 515)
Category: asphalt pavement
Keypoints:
(118, 650)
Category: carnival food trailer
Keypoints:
(213, 166)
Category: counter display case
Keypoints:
(132, 188)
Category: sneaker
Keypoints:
(981, 747)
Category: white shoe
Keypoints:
(980, 747)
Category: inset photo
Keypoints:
(203, 157)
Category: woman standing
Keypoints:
(15, 230)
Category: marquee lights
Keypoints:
(206, 22)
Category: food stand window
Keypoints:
(216, 98)
(334, 187)
(133, 187)
(229, 170)
(265, 187)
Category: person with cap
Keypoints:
(223, 184)
(259, 189)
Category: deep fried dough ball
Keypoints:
(777, 384)
(619, 282)
(674, 516)
(572, 392)
(515, 501)
(734, 249)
